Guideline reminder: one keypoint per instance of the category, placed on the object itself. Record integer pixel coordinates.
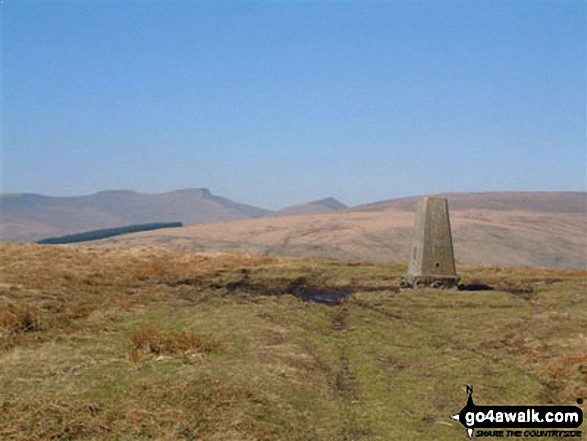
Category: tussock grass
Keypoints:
(20, 319)
(15, 321)
(154, 341)
(132, 344)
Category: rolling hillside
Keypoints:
(327, 205)
(550, 202)
(29, 217)
(521, 229)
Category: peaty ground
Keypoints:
(149, 343)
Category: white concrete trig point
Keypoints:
(432, 261)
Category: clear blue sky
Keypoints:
(275, 102)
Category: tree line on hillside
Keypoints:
(109, 232)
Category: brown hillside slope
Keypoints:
(529, 234)
(327, 205)
(557, 202)
(30, 217)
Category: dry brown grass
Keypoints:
(15, 320)
(568, 375)
(482, 236)
(154, 341)
(68, 284)
(224, 346)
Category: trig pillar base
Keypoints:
(432, 259)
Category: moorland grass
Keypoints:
(146, 343)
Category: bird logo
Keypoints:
(470, 404)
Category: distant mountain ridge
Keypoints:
(498, 228)
(29, 217)
(326, 205)
(542, 229)
(553, 201)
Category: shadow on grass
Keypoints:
(300, 287)
(476, 287)
(525, 292)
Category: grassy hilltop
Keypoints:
(149, 343)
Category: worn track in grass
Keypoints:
(147, 343)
